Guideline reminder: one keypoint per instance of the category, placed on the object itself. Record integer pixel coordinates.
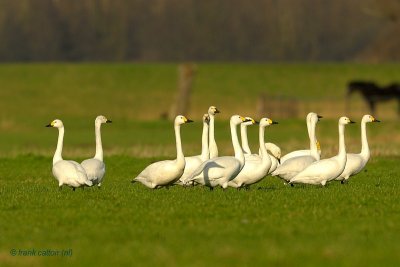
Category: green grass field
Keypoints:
(121, 224)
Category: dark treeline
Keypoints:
(176, 30)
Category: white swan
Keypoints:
(356, 162)
(272, 148)
(166, 172)
(254, 170)
(95, 167)
(323, 171)
(275, 155)
(311, 124)
(192, 163)
(67, 172)
(243, 135)
(293, 166)
(212, 144)
(220, 170)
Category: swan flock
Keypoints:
(210, 169)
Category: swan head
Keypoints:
(213, 110)
(180, 119)
(264, 122)
(102, 119)
(369, 118)
(345, 120)
(56, 124)
(237, 119)
(313, 117)
(250, 121)
(206, 118)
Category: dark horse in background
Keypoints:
(372, 93)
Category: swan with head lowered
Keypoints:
(95, 167)
(293, 166)
(212, 144)
(356, 162)
(311, 125)
(193, 162)
(67, 172)
(254, 170)
(220, 170)
(166, 172)
(323, 171)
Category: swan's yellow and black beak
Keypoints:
(187, 120)
(375, 120)
(319, 117)
(217, 110)
(351, 121)
(51, 124)
(108, 121)
(272, 122)
(244, 119)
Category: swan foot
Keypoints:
(211, 188)
(73, 189)
(292, 185)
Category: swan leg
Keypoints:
(73, 189)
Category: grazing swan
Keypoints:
(323, 171)
(275, 155)
(356, 162)
(67, 172)
(166, 172)
(220, 170)
(311, 124)
(254, 170)
(212, 144)
(293, 166)
(192, 163)
(95, 167)
(243, 135)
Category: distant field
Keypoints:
(124, 224)
(134, 96)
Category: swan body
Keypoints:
(212, 144)
(95, 167)
(67, 172)
(254, 170)
(193, 162)
(293, 166)
(356, 162)
(274, 155)
(220, 170)
(311, 124)
(323, 171)
(166, 172)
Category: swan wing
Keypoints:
(95, 169)
(323, 170)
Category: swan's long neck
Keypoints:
(205, 152)
(313, 141)
(364, 142)
(342, 144)
(99, 146)
(57, 155)
(245, 141)
(180, 158)
(213, 144)
(236, 145)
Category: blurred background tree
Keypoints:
(207, 30)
